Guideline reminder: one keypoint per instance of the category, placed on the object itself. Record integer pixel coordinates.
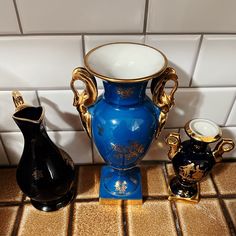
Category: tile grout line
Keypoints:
(196, 60)
(145, 18)
(173, 206)
(72, 204)
(225, 213)
(18, 17)
(228, 115)
(124, 219)
(18, 217)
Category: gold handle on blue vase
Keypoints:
(160, 98)
(225, 145)
(86, 98)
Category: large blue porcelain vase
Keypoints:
(123, 121)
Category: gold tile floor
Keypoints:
(215, 214)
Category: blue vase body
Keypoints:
(124, 123)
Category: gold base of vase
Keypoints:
(174, 197)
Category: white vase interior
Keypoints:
(125, 61)
(204, 128)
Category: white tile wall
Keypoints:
(232, 116)
(8, 20)
(60, 114)
(39, 61)
(81, 16)
(7, 108)
(192, 16)
(209, 103)
(181, 51)
(56, 33)
(216, 61)
(3, 156)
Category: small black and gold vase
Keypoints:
(45, 172)
(193, 159)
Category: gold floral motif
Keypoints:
(125, 92)
(121, 186)
(37, 174)
(191, 172)
(129, 152)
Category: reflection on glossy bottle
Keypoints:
(45, 172)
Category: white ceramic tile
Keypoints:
(7, 108)
(209, 103)
(231, 121)
(76, 144)
(38, 62)
(8, 20)
(192, 16)
(216, 61)
(14, 144)
(159, 149)
(181, 52)
(92, 41)
(3, 156)
(81, 16)
(230, 132)
(60, 114)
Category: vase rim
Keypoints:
(203, 130)
(35, 121)
(129, 67)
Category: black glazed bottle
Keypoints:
(45, 172)
(193, 159)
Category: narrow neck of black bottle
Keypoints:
(198, 146)
(124, 93)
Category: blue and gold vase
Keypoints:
(123, 121)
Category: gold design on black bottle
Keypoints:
(191, 172)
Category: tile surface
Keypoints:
(224, 175)
(216, 61)
(204, 218)
(35, 222)
(107, 219)
(9, 188)
(8, 20)
(3, 156)
(183, 16)
(181, 52)
(231, 207)
(7, 105)
(201, 103)
(152, 218)
(38, 61)
(7, 218)
(88, 182)
(232, 116)
(81, 16)
(14, 144)
(153, 180)
(60, 114)
(76, 144)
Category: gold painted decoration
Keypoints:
(163, 100)
(121, 186)
(125, 92)
(191, 172)
(134, 150)
(86, 98)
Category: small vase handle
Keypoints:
(86, 98)
(18, 100)
(174, 141)
(161, 99)
(225, 145)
